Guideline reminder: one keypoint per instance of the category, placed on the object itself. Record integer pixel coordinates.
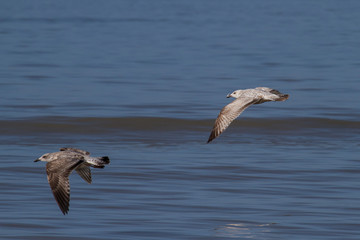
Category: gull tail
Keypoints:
(98, 162)
(282, 97)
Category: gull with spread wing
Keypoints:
(243, 99)
(61, 164)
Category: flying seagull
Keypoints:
(61, 164)
(243, 99)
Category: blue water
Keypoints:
(143, 81)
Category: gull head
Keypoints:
(47, 157)
(235, 94)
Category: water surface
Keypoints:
(143, 81)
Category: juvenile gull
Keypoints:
(243, 99)
(61, 164)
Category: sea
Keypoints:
(143, 82)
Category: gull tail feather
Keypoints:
(98, 162)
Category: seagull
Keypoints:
(243, 99)
(61, 164)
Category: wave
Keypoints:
(95, 125)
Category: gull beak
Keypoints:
(229, 95)
(36, 160)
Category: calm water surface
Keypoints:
(143, 81)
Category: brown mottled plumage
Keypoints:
(60, 165)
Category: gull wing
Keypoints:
(75, 150)
(272, 95)
(84, 172)
(58, 172)
(228, 114)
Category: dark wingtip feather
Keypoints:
(94, 166)
(283, 97)
(106, 159)
(211, 137)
